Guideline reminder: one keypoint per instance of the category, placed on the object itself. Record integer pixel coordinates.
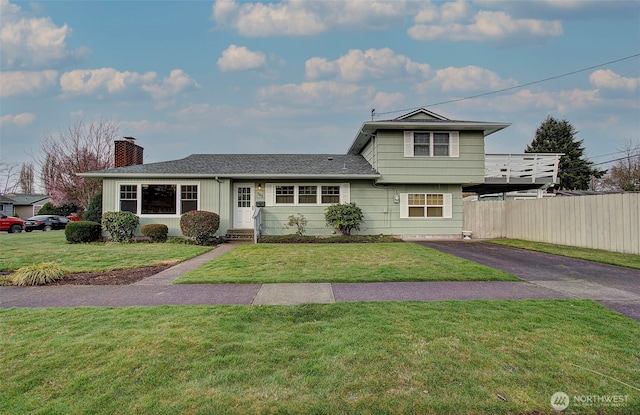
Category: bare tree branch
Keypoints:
(82, 147)
(9, 177)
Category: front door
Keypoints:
(244, 205)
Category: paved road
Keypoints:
(615, 287)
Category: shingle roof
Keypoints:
(22, 199)
(250, 165)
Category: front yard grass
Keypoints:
(499, 357)
(596, 255)
(24, 249)
(282, 263)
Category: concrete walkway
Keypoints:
(620, 289)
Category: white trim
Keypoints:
(454, 143)
(447, 206)
(270, 193)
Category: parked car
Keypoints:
(45, 222)
(11, 224)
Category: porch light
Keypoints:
(259, 186)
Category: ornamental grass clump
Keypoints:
(38, 274)
(200, 225)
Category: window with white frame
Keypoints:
(431, 144)
(158, 199)
(188, 198)
(306, 194)
(129, 198)
(330, 195)
(425, 205)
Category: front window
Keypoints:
(188, 198)
(307, 194)
(423, 205)
(158, 199)
(284, 194)
(330, 194)
(129, 198)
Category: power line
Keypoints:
(512, 87)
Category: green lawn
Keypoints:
(596, 255)
(23, 249)
(373, 358)
(277, 263)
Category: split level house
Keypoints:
(407, 175)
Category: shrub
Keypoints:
(120, 225)
(200, 225)
(83, 231)
(38, 274)
(48, 209)
(345, 217)
(94, 210)
(156, 231)
(299, 222)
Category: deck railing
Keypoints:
(529, 167)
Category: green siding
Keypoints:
(382, 215)
(214, 197)
(396, 168)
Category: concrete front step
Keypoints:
(239, 235)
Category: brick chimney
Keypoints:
(127, 152)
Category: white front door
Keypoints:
(244, 205)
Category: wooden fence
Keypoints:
(610, 222)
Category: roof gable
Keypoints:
(421, 114)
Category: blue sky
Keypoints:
(302, 76)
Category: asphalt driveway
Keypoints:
(614, 287)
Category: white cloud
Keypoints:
(177, 82)
(111, 81)
(433, 24)
(19, 120)
(317, 93)
(357, 65)
(563, 101)
(468, 78)
(18, 83)
(605, 78)
(304, 18)
(239, 58)
(28, 42)
(90, 81)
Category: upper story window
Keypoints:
(158, 199)
(431, 143)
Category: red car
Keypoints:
(11, 224)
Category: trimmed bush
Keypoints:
(82, 232)
(38, 274)
(156, 231)
(120, 225)
(200, 225)
(345, 217)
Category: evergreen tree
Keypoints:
(553, 136)
(94, 210)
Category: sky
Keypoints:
(302, 76)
